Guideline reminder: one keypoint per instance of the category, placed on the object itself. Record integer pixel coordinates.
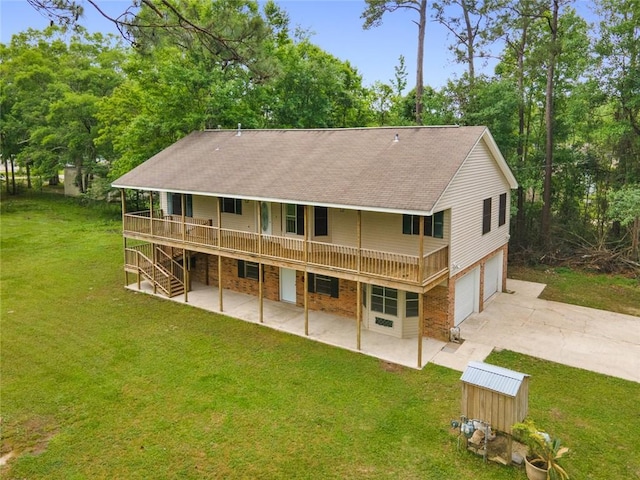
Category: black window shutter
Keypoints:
(486, 216)
(300, 219)
(189, 205)
(241, 269)
(438, 225)
(335, 287)
(428, 226)
(321, 221)
(406, 224)
(238, 206)
(416, 224)
(311, 283)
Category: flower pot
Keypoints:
(533, 472)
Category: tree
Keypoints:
(231, 31)
(373, 18)
(468, 29)
(625, 208)
(50, 99)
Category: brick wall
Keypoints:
(345, 305)
(438, 314)
(206, 271)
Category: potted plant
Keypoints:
(541, 462)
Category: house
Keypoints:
(403, 230)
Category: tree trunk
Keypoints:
(470, 38)
(549, 123)
(422, 26)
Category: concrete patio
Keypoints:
(323, 327)
(596, 340)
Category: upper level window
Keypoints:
(384, 300)
(294, 217)
(324, 284)
(320, 221)
(433, 225)
(502, 212)
(174, 204)
(486, 216)
(231, 205)
(248, 270)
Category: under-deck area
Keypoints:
(322, 327)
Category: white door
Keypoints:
(265, 214)
(492, 276)
(467, 293)
(287, 285)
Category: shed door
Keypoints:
(492, 275)
(467, 294)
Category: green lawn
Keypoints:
(99, 382)
(616, 293)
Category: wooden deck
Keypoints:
(200, 235)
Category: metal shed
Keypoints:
(496, 395)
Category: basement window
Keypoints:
(384, 300)
(324, 285)
(248, 270)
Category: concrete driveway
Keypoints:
(595, 340)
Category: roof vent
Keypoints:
(239, 130)
(397, 139)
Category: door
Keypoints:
(492, 276)
(467, 295)
(287, 285)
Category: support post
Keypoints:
(421, 294)
(185, 274)
(219, 216)
(359, 314)
(151, 214)
(124, 238)
(260, 266)
(306, 274)
(184, 226)
(220, 281)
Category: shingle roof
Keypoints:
(493, 378)
(354, 168)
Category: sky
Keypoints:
(334, 25)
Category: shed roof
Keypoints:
(348, 168)
(493, 378)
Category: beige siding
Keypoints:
(205, 207)
(478, 178)
(344, 227)
(245, 222)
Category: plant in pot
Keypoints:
(544, 452)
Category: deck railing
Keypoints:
(200, 232)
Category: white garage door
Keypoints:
(467, 293)
(492, 275)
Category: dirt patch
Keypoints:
(30, 436)
(391, 367)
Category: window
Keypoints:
(320, 221)
(486, 216)
(294, 217)
(248, 270)
(231, 205)
(174, 204)
(323, 284)
(433, 225)
(502, 212)
(411, 304)
(384, 300)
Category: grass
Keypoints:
(615, 293)
(99, 382)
